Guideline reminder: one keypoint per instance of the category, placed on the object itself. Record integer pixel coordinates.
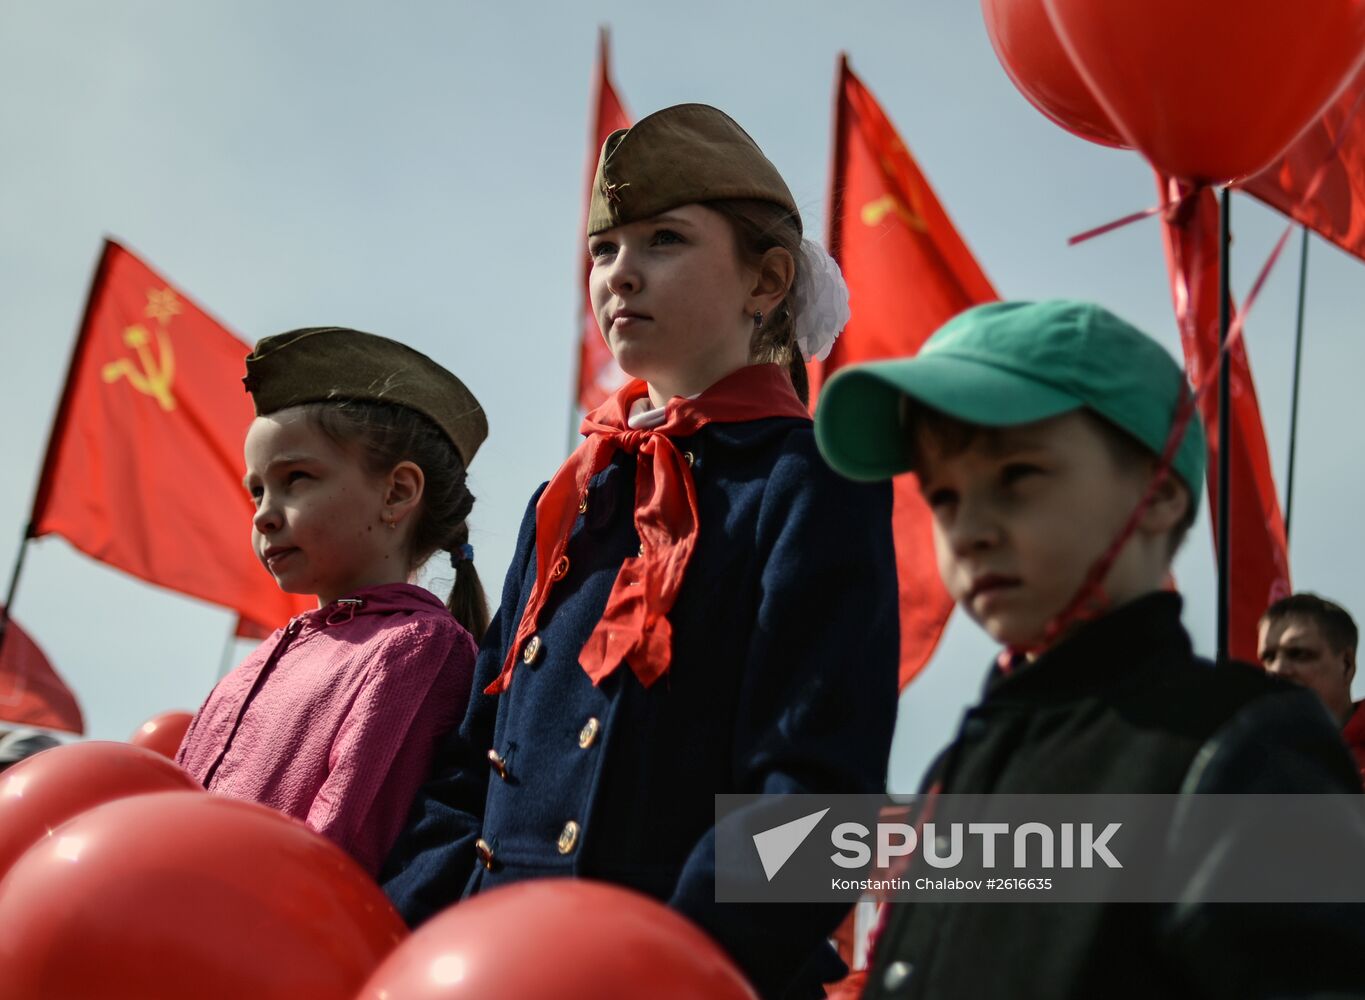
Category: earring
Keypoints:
(758, 319)
(388, 519)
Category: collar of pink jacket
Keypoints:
(383, 599)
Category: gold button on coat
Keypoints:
(568, 837)
(485, 852)
(587, 736)
(561, 568)
(532, 651)
(583, 506)
(498, 763)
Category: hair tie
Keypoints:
(461, 553)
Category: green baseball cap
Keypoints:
(1004, 364)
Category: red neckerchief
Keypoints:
(634, 627)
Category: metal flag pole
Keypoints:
(13, 585)
(1294, 401)
(1224, 420)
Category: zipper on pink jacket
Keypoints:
(290, 630)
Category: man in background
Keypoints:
(1312, 642)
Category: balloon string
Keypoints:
(1090, 599)
(1172, 209)
(1309, 193)
(1127, 220)
(1090, 596)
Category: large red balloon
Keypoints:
(1033, 57)
(190, 895)
(1212, 90)
(49, 788)
(558, 939)
(163, 733)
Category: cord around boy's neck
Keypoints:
(1091, 601)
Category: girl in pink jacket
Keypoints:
(356, 464)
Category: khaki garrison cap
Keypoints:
(324, 363)
(677, 156)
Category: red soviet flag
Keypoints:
(598, 374)
(1332, 149)
(144, 467)
(908, 272)
(31, 693)
(1258, 565)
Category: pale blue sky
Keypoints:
(415, 169)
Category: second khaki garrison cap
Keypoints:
(325, 363)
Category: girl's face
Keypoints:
(320, 523)
(672, 299)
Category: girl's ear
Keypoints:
(404, 490)
(773, 281)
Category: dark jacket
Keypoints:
(783, 679)
(1124, 706)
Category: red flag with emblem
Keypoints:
(908, 272)
(1258, 552)
(31, 692)
(144, 467)
(598, 374)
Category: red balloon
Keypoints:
(163, 733)
(190, 895)
(1212, 90)
(558, 939)
(1036, 63)
(49, 788)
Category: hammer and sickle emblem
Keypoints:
(152, 373)
(878, 209)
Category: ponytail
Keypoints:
(467, 600)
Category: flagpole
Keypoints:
(1294, 403)
(599, 79)
(44, 486)
(1224, 418)
(43, 489)
(13, 586)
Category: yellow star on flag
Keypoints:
(162, 305)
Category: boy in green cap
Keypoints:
(1044, 437)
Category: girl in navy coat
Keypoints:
(698, 604)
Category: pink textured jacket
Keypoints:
(335, 719)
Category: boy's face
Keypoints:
(1022, 514)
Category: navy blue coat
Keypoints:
(783, 679)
